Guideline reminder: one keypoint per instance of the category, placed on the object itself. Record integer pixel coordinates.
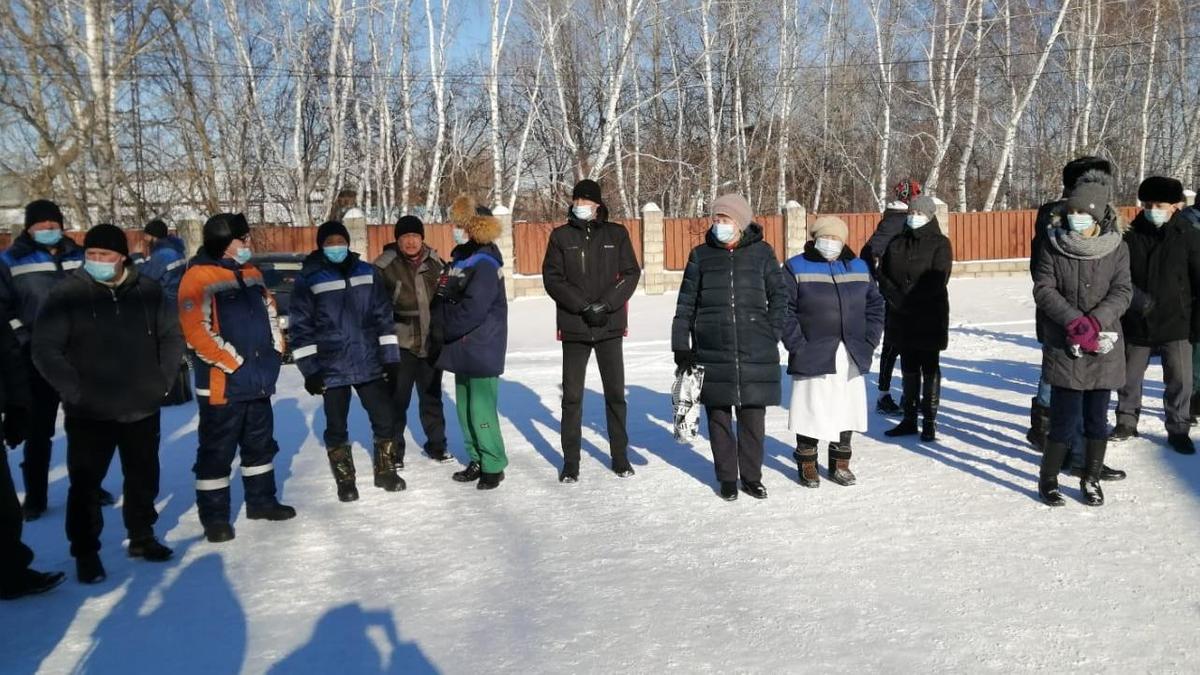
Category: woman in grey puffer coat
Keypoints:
(1081, 287)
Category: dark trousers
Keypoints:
(887, 364)
(1177, 376)
(923, 369)
(15, 556)
(42, 422)
(249, 425)
(741, 454)
(376, 400)
(808, 442)
(1070, 407)
(421, 374)
(610, 358)
(90, 448)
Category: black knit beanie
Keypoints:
(40, 211)
(587, 189)
(108, 237)
(156, 228)
(330, 228)
(409, 225)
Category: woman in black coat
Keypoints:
(729, 319)
(913, 278)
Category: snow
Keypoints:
(940, 559)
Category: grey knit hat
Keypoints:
(1089, 198)
(923, 204)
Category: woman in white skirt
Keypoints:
(834, 323)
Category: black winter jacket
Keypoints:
(890, 226)
(731, 309)
(14, 375)
(111, 353)
(585, 263)
(1164, 265)
(913, 277)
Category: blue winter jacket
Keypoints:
(166, 265)
(28, 271)
(340, 321)
(830, 303)
(472, 324)
(229, 321)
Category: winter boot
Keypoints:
(754, 488)
(1124, 430)
(29, 582)
(1052, 459)
(931, 400)
(1039, 425)
(150, 549)
(1094, 462)
(385, 466)
(218, 533)
(273, 511)
(729, 490)
(89, 569)
(1181, 443)
(806, 459)
(341, 463)
(907, 427)
(107, 498)
(839, 462)
(886, 405)
(438, 454)
(489, 481)
(569, 473)
(622, 467)
(469, 474)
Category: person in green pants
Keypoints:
(470, 330)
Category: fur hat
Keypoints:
(107, 237)
(736, 207)
(1075, 169)
(1161, 190)
(156, 228)
(830, 226)
(220, 231)
(1090, 198)
(408, 225)
(40, 211)
(330, 228)
(477, 221)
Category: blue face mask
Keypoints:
(1080, 222)
(917, 220)
(460, 236)
(47, 237)
(243, 255)
(724, 232)
(100, 271)
(336, 254)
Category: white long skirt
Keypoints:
(824, 406)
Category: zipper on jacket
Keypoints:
(737, 352)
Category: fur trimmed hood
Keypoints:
(478, 222)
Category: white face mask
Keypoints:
(917, 220)
(584, 213)
(724, 232)
(829, 248)
(1080, 222)
(1158, 216)
(460, 236)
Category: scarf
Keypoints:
(1075, 245)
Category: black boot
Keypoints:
(272, 511)
(912, 397)
(218, 533)
(31, 511)
(839, 462)
(754, 488)
(1181, 443)
(931, 400)
(89, 569)
(29, 582)
(886, 405)
(806, 460)
(149, 548)
(385, 466)
(341, 463)
(729, 490)
(622, 467)
(107, 498)
(438, 454)
(469, 474)
(569, 473)
(489, 481)
(1052, 459)
(1039, 425)
(1093, 463)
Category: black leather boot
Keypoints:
(1093, 465)
(1052, 459)
(1039, 425)
(385, 466)
(341, 463)
(910, 402)
(931, 400)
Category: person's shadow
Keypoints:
(651, 427)
(341, 642)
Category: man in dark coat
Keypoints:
(1164, 263)
(890, 226)
(729, 318)
(342, 338)
(167, 260)
(38, 260)
(112, 403)
(590, 271)
(17, 579)
(913, 278)
(410, 270)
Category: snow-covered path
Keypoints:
(940, 559)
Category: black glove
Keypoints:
(16, 426)
(315, 384)
(685, 359)
(451, 286)
(596, 315)
(391, 373)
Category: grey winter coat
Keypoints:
(1065, 288)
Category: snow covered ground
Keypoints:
(940, 559)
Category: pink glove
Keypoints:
(1084, 333)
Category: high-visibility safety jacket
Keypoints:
(340, 321)
(229, 321)
(28, 271)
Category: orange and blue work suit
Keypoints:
(229, 321)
